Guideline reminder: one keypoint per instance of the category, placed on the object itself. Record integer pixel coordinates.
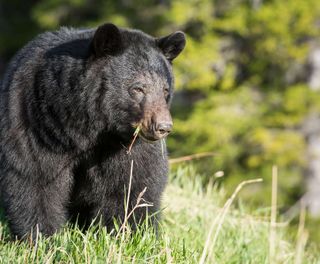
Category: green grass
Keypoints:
(189, 211)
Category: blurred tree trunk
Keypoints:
(312, 131)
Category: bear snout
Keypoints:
(156, 127)
(162, 129)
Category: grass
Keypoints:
(191, 214)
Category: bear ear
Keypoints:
(107, 40)
(172, 44)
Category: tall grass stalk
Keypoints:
(273, 218)
(218, 221)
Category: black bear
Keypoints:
(70, 103)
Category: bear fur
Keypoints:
(70, 102)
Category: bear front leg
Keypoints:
(34, 205)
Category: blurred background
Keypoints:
(247, 84)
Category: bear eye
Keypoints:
(137, 92)
(166, 92)
(138, 89)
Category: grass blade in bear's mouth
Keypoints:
(135, 134)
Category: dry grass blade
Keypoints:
(111, 251)
(137, 205)
(302, 236)
(191, 157)
(163, 144)
(273, 219)
(219, 221)
(125, 226)
(135, 135)
(129, 191)
(295, 209)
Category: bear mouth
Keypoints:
(147, 134)
(147, 138)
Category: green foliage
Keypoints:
(16, 28)
(216, 124)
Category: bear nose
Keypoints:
(163, 129)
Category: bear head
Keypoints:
(135, 79)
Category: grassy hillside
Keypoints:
(191, 213)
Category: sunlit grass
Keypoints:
(242, 235)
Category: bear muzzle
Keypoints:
(156, 132)
(156, 128)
